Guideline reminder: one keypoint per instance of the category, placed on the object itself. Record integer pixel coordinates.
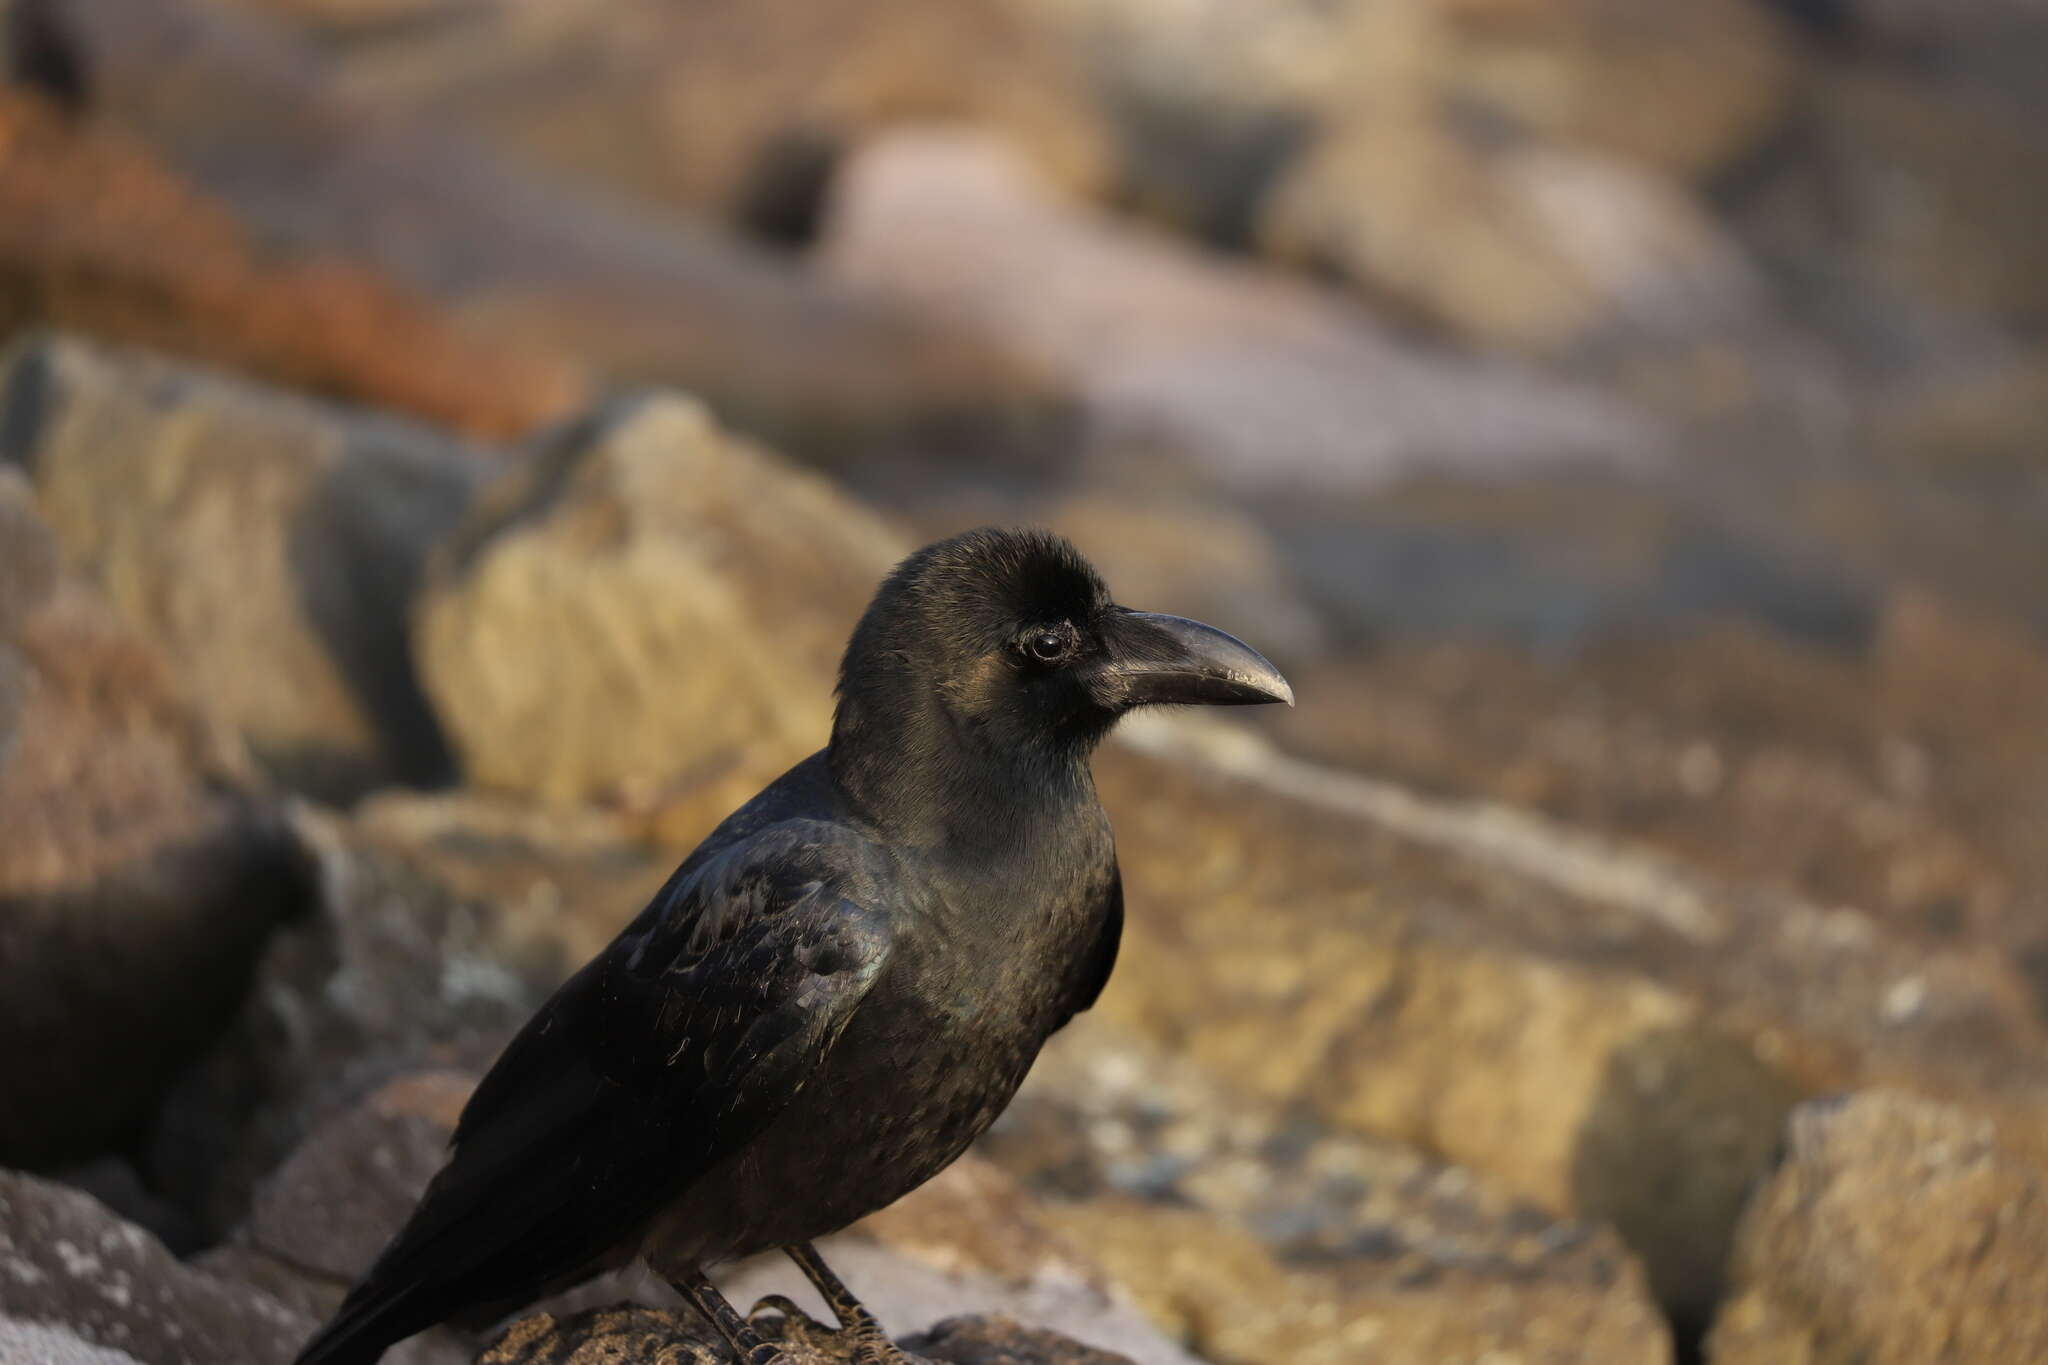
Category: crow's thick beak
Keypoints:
(1165, 659)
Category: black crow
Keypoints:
(842, 986)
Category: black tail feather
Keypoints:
(368, 1323)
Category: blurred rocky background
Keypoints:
(444, 443)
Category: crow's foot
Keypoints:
(738, 1332)
(862, 1342)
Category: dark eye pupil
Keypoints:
(1048, 646)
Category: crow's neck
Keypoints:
(925, 777)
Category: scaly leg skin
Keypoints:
(871, 1344)
(744, 1340)
(795, 1327)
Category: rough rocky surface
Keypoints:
(45, 1344)
(1514, 172)
(270, 544)
(631, 1336)
(973, 1241)
(1287, 1239)
(1600, 1029)
(1900, 781)
(1620, 418)
(651, 550)
(1250, 379)
(1523, 246)
(137, 879)
(391, 971)
(733, 112)
(68, 1265)
(967, 1243)
(96, 237)
(559, 882)
(319, 1219)
(1927, 191)
(521, 256)
(1895, 1230)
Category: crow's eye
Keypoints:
(1049, 646)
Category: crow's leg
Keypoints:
(871, 1344)
(744, 1340)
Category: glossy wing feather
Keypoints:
(667, 1052)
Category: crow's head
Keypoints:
(1008, 640)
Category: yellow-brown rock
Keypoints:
(651, 599)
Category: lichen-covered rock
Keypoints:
(270, 544)
(650, 1336)
(137, 882)
(971, 1242)
(42, 1343)
(1895, 1232)
(75, 1270)
(651, 600)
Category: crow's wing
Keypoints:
(1101, 959)
(667, 1052)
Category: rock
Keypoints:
(1217, 1286)
(79, 1274)
(1944, 30)
(116, 1183)
(1904, 186)
(995, 1340)
(339, 1198)
(264, 118)
(1261, 384)
(1560, 560)
(559, 883)
(393, 973)
(1254, 1232)
(973, 1219)
(1900, 779)
(96, 237)
(969, 1242)
(907, 1287)
(630, 1335)
(1534, 1001)
(269, 543)
(1683, 89)
(627, 1334)
(318, 1221)
(138, 880)
(1895, 1230)
(1213, 101)
(732, 112)
(42, 1344)
(965, 1242)
(650, 597)
(1508, 244)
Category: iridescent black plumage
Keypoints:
(846, 982)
